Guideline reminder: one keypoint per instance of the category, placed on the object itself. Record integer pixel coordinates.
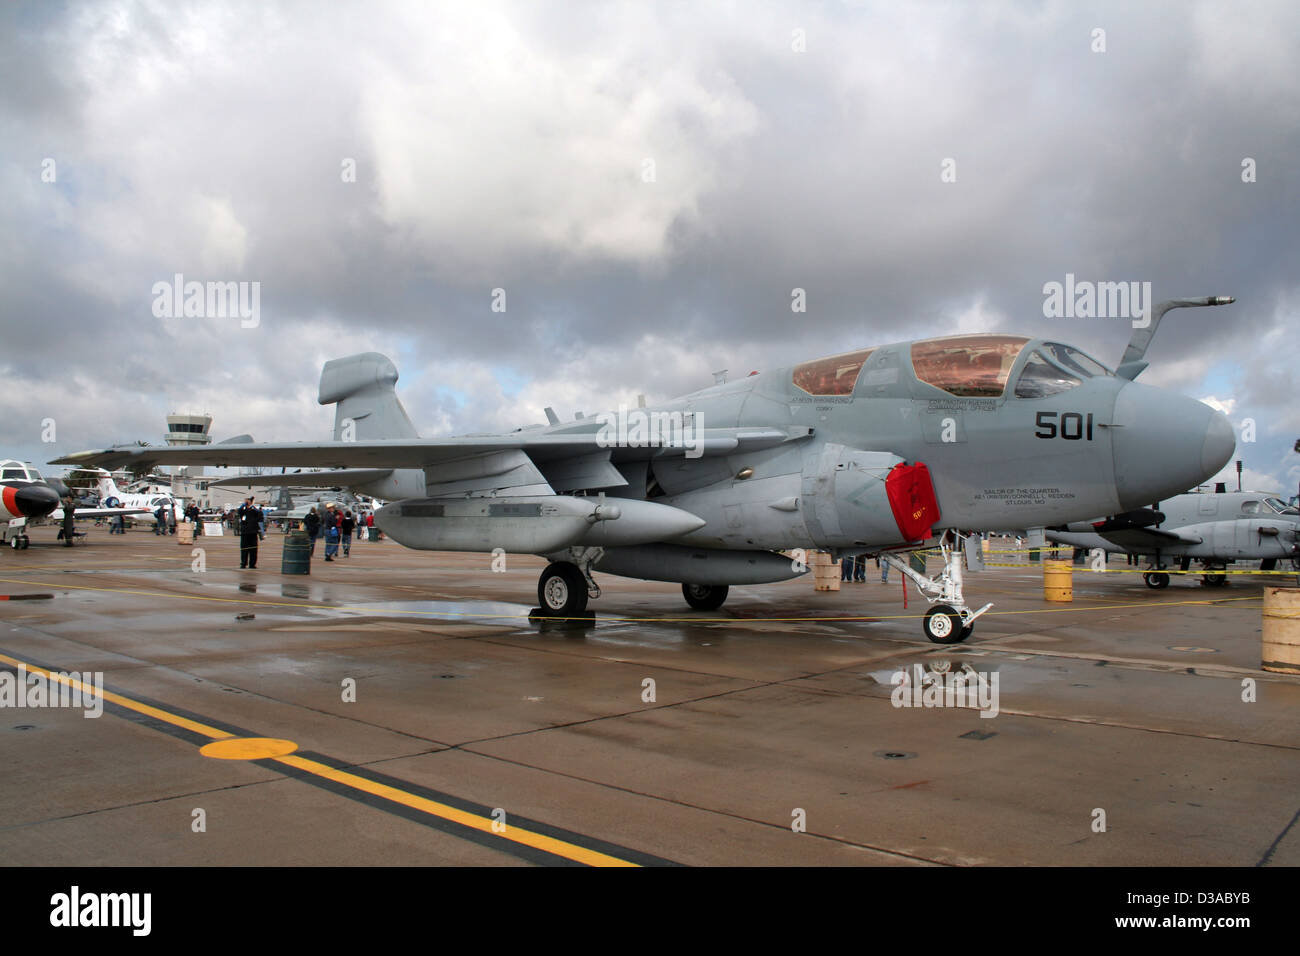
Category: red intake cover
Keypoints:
(911, 497)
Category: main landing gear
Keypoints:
(949, 620)
(565, 586)
(705, 597)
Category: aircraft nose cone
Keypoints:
(1165, 444)
(1220, 443)
(35, 501)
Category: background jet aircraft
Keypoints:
(111, 496)
(866, 452)
(1214, 529)
(26, 497)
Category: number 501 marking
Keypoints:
(1073, 426)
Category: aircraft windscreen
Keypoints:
(1280, 506)
(967, 365)
(835, 375)
(1055, 368)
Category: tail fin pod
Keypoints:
(361, 388)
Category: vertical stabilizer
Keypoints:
(362, 389)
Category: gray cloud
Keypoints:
(504, 145)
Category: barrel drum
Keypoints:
(1058, 581)
(1280, 634)
(296, 558)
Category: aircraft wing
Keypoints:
(331, 478)
(542, 461)
(57, 513)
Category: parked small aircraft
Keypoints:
(1214, 529)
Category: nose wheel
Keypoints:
(1156, 580)
(943, 625)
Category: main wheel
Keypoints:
(1156, 580)
(705, 597)
(14, 542)
(562, 590)
(27, 542)
(943, 625)
(1214, 578)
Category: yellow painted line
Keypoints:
(173, 719)
(569, 851)
(251, 748)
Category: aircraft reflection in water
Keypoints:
(1214, 529)
(873, 451)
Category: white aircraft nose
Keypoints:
(1165, 444)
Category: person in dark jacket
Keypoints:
(346, 527)
(249, 518)
(69, 522)
(311, 524)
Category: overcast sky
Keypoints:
(647, 182)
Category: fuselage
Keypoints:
(1015, 432)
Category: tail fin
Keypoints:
(107, 488)
(361, 386)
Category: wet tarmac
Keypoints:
(431, 723)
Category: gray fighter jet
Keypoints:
(874, 451)
(1213, 529)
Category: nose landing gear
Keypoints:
(949, 620)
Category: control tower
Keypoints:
(188, 431)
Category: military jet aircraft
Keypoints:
(872, 451)
(1214, 529)
(27, 497)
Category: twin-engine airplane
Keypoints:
(871, 451)
(1213, 529)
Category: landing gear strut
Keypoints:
(949, 620)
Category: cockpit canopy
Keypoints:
(13, 470)
(972, 366)
(969, 366)
(979, 366)
(834, 375)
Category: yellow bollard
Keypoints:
(1280, 635)
(1058, 581)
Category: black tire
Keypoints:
(1156, 580)
(14, 542)
(966, 632)
(562, 590)
(27, 542)
(943, 625)
(705, 597)
(1214, 579)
